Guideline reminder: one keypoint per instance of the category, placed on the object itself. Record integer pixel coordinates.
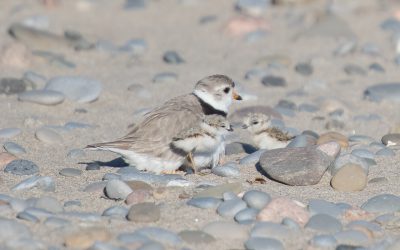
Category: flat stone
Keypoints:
(246, 216)
(14, 148)
(6, 158)
(252, 158)
(8, 133)
(219, 190)
(385, 152)
(263, 243)
(12, 230)
(135, 46)
(323, 241)
(165, 77)
(160, 235)
(383, 203)
(229, 169)
(296, 166)
(273, 81)
(12, 86)
(21, 167)
(306, 107)
(139, 185)
(301, 141)
(50, 204)
(144, 212)
(391, 139)
(40, 213)
(226, 230)
(238, 148)
(351, 237)
(48, 136)
(45, 183)
(353, 69)
(383, 91)
(86, 238)
(272, 230)
(204, 202)
(44, 97)
(28, 217)
(376, 67)
(363, 153)
(95, 186)
(89, 217)
(117, 189)
(346, 159)
(138, 196)
(333, 136)
(73, 203)
(231, 207)
(151, 245)
(324, 223)
(256, 199)
(70, 172)
(77, 88)
(172, 57)
(317, 206)
(304, 69)
(55, 222)
(350, 177)
(196, 237)
(116, 212)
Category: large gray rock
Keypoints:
(299, 166)
(383, 91)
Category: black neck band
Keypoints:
(210, 110)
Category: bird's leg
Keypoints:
(192, 164)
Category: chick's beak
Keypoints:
(236, 96)
(230, 128)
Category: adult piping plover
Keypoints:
(148, 145)
(265, 136)
(201, 143)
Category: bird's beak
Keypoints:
(244, 126)
(236, 96)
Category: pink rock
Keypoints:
(137, 196)
(240, 26)
(331, 148)
(280, 208)
(6, 158)
(15, 55)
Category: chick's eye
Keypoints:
(255, 122)
(226, 90)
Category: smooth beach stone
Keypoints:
(144, 212)
(48, 136)
(14, 148)
(383, 91)
(138, 196)
(291, 224)
(229, 169)
(83, 216)
(44, 97)
(345, 48)
(204, 202)
(231, 207)
(135, 46)
(391, 139)
(18, 205)
(12, 230)
(351, 237)
(263, 243)
(116, 211)
(352, 69)
(161, 235)
(385, 152)
(196, 237)
(77, 88)
(21, 167)
(350, 177)
(301, 141)
(361, 138)
(219, 190)
(273, 81)
(151, 245)
(316, 206)
(134, 4)
(347, 159)
(252, 7)
(311, 134)
(117, 189)
(76, 153)
(85, 238)
(50, 204)
(229, 196)
(333, 136)
(70, 172)
(152, 178)
(376, 67)
(272, 230)
(129, 238)
(383, 203)
(77, 125)
(73, 203)
(8, 133)
(306, 107)
(252, 158)
(324, 223)
(95, 186)
(55, 222)
(165, 77)
(363, 153)
(38, 212)
(371, 226)
(45, 183)
(323, 241)
(256, 199)
(93, 166)
(172, 57)
(246, 216)
(304, 69)
(28, 217)
(12, 86)
(226, 230)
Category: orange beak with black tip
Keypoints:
(236, 96)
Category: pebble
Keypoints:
(376, 67)
(263, 243)
(231, 207)
(70, 172)
(77, 125)
(135, 46)
(252, 158)
(246, 216)
(84, 216)
(160, 235)
(346, 159)
(323, 241)
(116, 212)
(44, 97)
(345, 48)
(304, 69)
(28, 217)
(385, 152)
(172, 57)
(165, 77)
(324, 223)
(12, 86)
(383, 203)
(226, 230)
(352, 69)
(76, 153)
(45, 183)
(301, 141)
(144, 212)
(151, 246)
(272, 230)
(138, 196)
(93, 166)
(279, 208)
(219, 190)
(50, 204)
(48, 136)
(117, 189)
(86, 238)
(204, 202)
(351, 237)
(8, 133)
(252, 7)
(229, 169)
(317, 206)
(297, 166)
(273, 81)
(135, 4)
(37, 80)
(256, 199)
(14, 148)
(371, 228)
(306, 107)
(363, 153)
(95, 186)
(333, 136)
(18, 205)
(383, 91)
(391, 139)
(77, 88)
(6, 158)
(129, 238)
(21, 167)
(72, 203)
(13, 230)
(196, 237)
(351, 177)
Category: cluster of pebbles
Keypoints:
(333, 187)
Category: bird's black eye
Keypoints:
(255, 122)
(227, 89)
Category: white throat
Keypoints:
(209, 99)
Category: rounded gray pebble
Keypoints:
(70, 172)
(28, 217)
(50, 204)
(160, 235)
(196, 237)
(48, 136)
(172, 57)
(76, 153)
(55, 222)
(383, 203)
(273, 230)
(246, 216)
(317, 206)
(256, 199)
(324, 223)
(252, 158)
(21, 167)
(9, 132)
(363, 153)
(263, 243)
(14, 148)
(117, 189)
(152, 245)
(231, 207)
(116, 211)
(324, 241)
(385, 152)
(204, 202)
(351, 237)
(227, 170)
(44, 97)
(165, 77)
(299, 141)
